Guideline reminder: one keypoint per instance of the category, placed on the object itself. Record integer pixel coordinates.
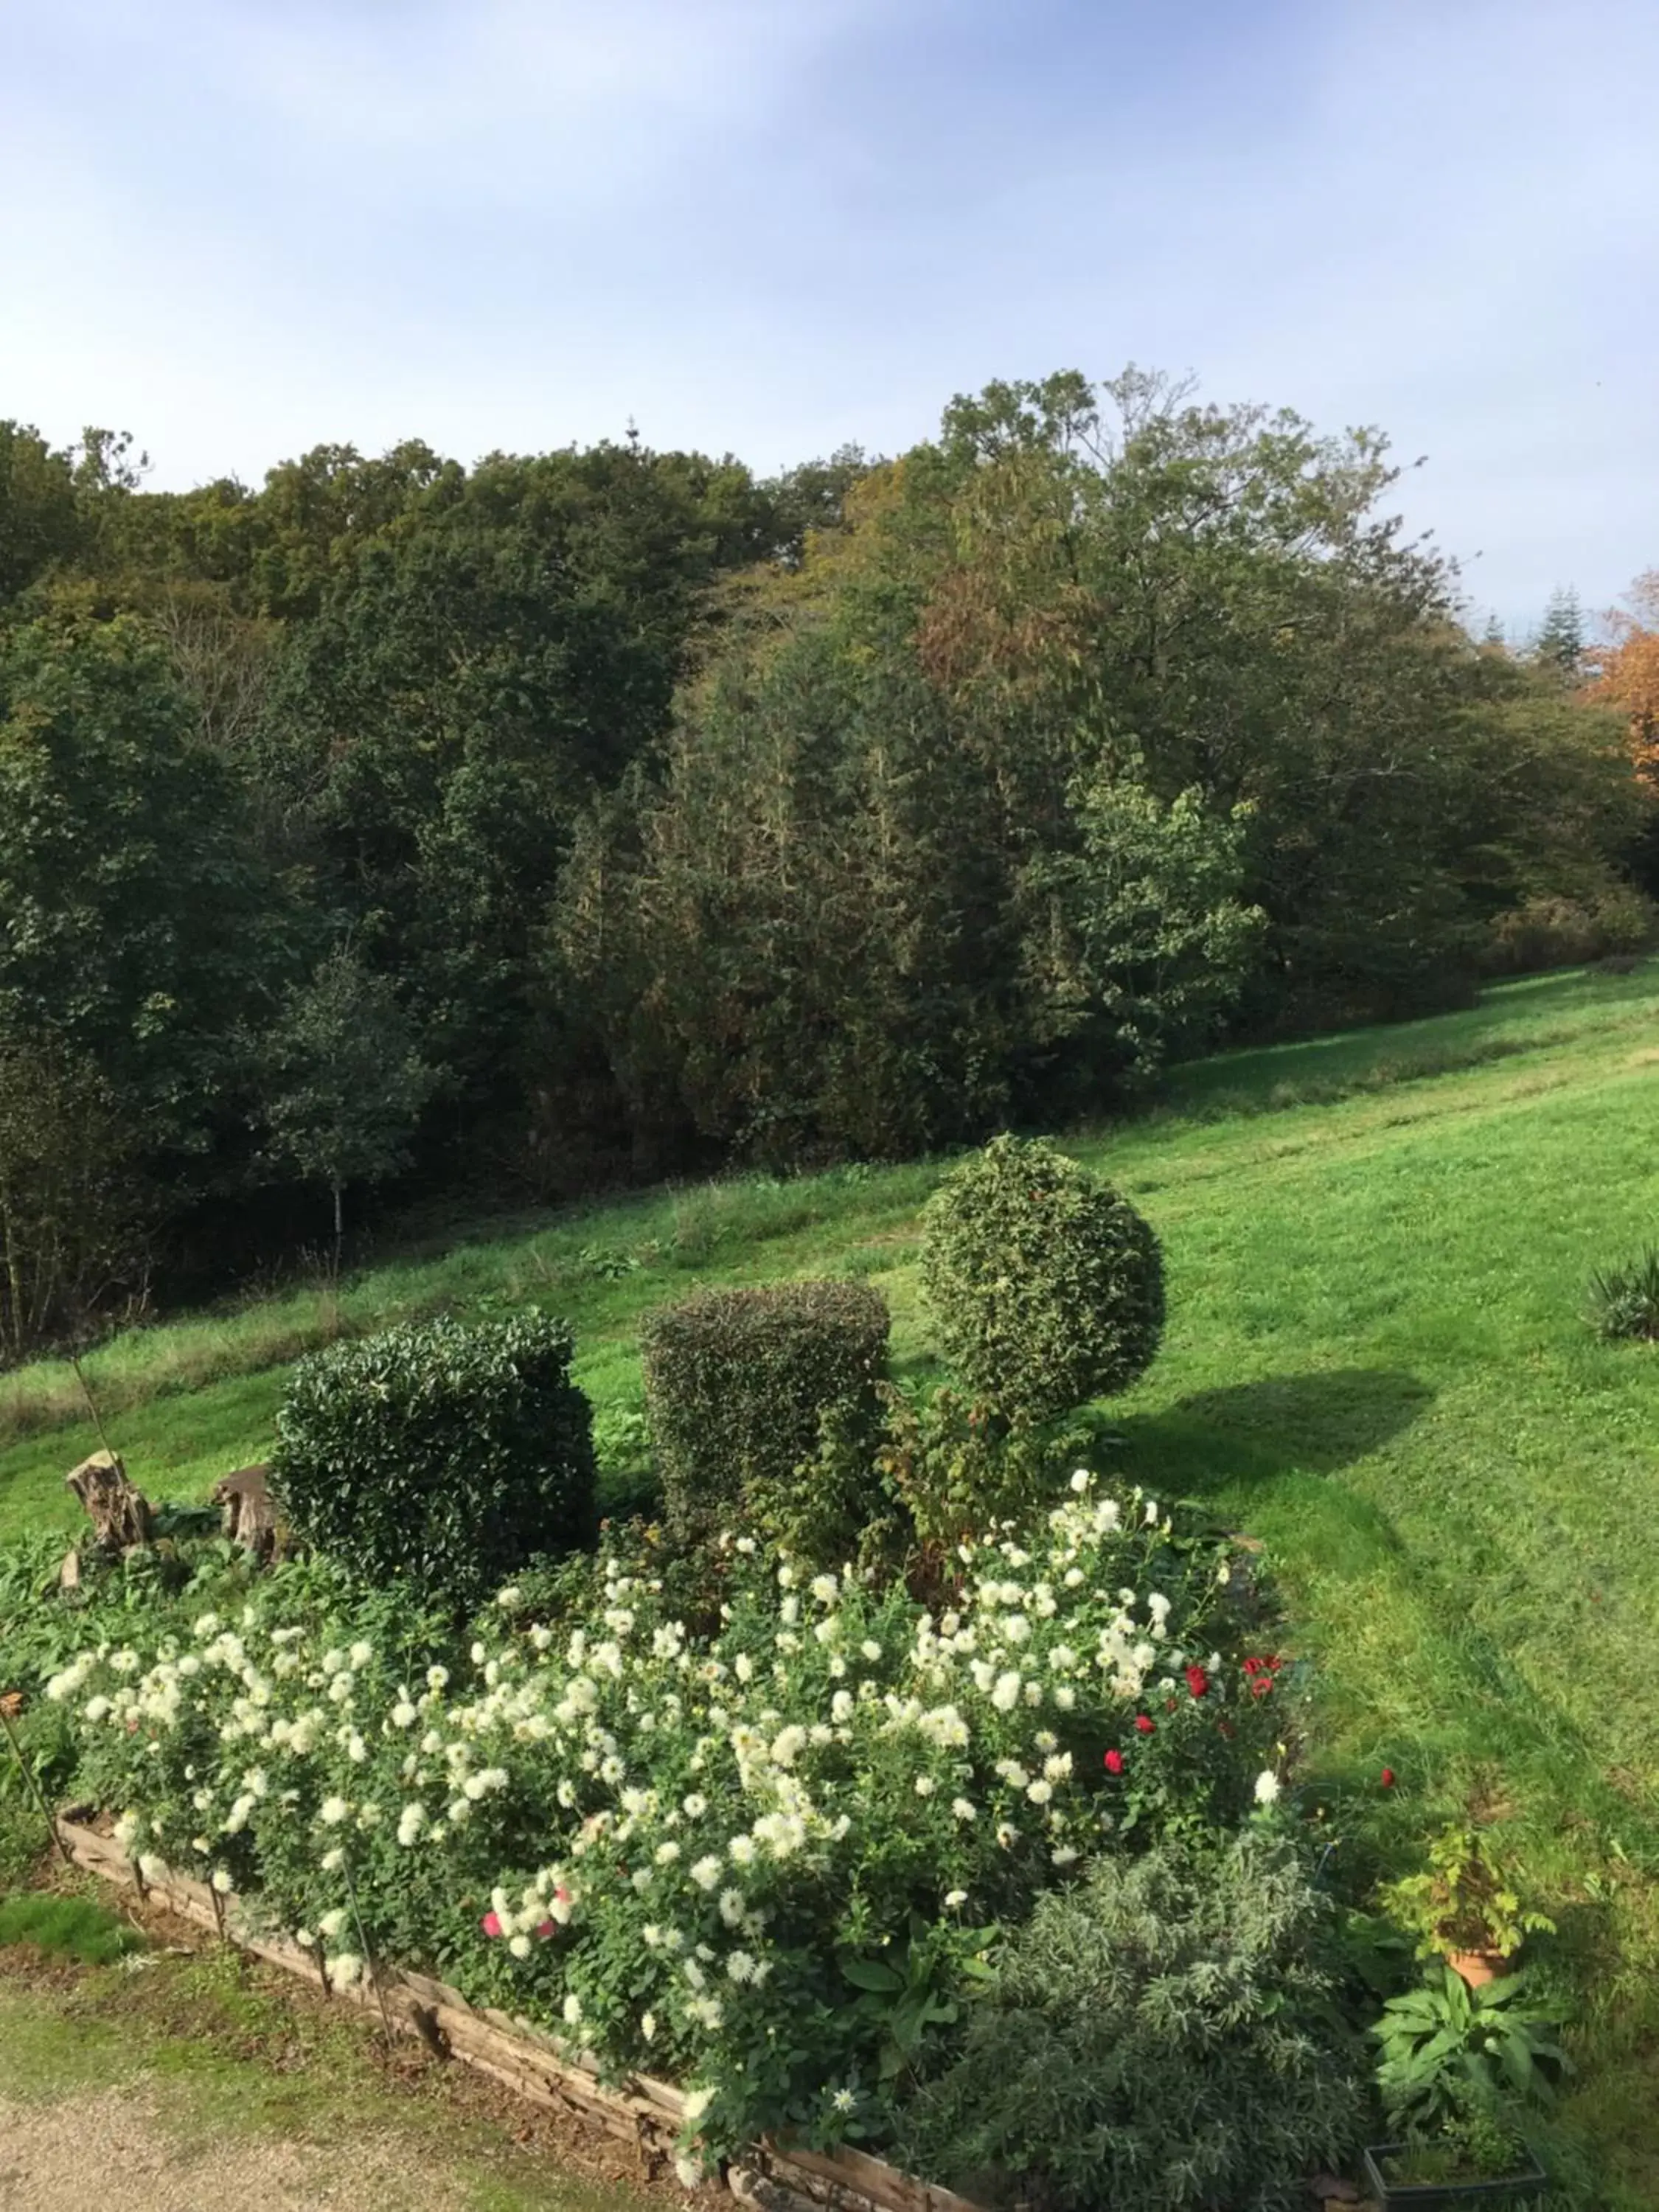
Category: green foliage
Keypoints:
(441, 1453)
(347, 1085)
(737, 1384)
(1045, 1286)
(67, 1928)
(1463, 1901)
(1160, 2036)
(1444, 2046)
(1624, 1301)
(73, 1208)
(1478, 2143)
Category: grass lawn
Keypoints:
(1376, 1363)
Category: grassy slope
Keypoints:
(1376, 1362)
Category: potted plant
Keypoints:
(1463, 1908)
(1482, 2153)
(1458, 2067)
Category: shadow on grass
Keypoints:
(1253, 1432)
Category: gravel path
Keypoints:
(115, 2152)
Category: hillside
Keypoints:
(1376, 1363)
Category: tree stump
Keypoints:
(250, 1516)
(120, 1514)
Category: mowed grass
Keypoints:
(1376, 1363)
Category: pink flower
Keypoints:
(1114, 1762)
(548, 1928)
(491, 1924)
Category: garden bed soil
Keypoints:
(533, 2065)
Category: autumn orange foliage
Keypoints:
(1627, 672)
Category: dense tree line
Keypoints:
(611, 811)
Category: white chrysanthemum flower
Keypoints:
(667, 1853)
(869, 1649)
(1040, 1791)
(740, 1966)
(925, 1785)
(343, 1970)
(741, 1851)
(706, 1872)
(1267, 1787)
(573, 2010)
(518, 1946)
(963, 1810)
(221, 1881)
(1081, 1480)
(334, 1860)
(1005, 1692)
(954, 1897)
(332, 1811)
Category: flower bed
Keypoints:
(762, 1853)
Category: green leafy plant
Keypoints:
(1046, 1287)
(446, 1454)
(1445, 2045)
(1624, 1301)
(1463, 1902)
(1481, 2142)
(1161, 2036)
(738, 1382)
(913, 1987)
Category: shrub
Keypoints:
(444, 1454)
(1046, 1286)
(1624, 1302)
(1157, 2036)
(1609, 921)
(738, 1384)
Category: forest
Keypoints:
(402, 829)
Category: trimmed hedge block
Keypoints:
(738, 1382)
(445, 1454)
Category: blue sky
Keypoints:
(238, 227)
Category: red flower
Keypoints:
(1143, 1722)
(548, 1928)
(1387, 1777)
(1197, 1680)
(1114, 1762)
(491, 1924)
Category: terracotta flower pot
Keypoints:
(1478, 1967)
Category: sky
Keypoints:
(240, 229)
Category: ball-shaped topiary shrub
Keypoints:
(739, 1383)
(442, 1454)
(1046, 1287)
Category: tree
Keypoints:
(41, 518)
(74, 1212)
(348, 1085)
(1627, 672)
(137, 924)
(1558, 646)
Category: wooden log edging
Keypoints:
(523, 2058)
